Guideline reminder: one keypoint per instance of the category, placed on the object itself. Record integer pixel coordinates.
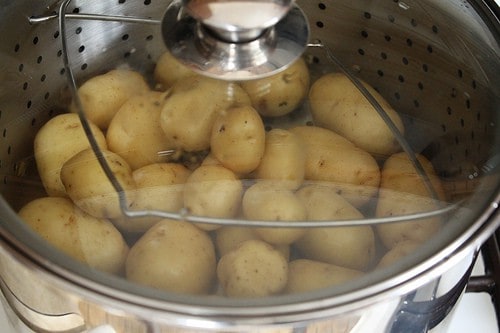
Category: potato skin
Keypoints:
(159, 186)
(399, 174)
(333, 159)
(307, 275)
(89, 188)
(254, 269)
(214, 191)
(229, 238)
(269, 202)
(169, 70)
(402, 192)
(398, 252)
(337, 104)
(174, 256)
(55, 143)
(193, 104)
(135, 132)
(350, 247)
(238, 139)
(210, 160)
(284, 159)
(102, 95)
(90, 240)
(281, 93)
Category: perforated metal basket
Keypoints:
(436, 62)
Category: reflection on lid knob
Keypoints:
(235, 39)
(238, 20)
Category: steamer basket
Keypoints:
(436, 62)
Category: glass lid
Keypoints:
(320, 151)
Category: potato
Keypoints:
(174, 256)
(399, 174)
(398, 252)
(55, 143)
(102, 95)
(395, 203)
(254, 269)
(213, 191)
(333, 159)
(229, 238)
(403, 192)
(135, 132)
(89, 187)
(323, 203)
(160, 186)
(268, 202)
(169, 70)
(338, 105)
(284, 250)
(307, 275)
(350, 247)
(193, 105)
(284, 159)
(210, 160)
(281, 93)
(361, 197)
(90, 240)
(238, 139)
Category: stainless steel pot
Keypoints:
(435, 61)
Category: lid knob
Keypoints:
(238, 20)
(235, 39)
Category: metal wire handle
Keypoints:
(184, 213)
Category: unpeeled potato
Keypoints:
(284, 159)
(281, 93)
(253, 269)
(159, 186)
(402, 192)
(213, 191)
(90, 189)
(350, 247)
(398, 252)
(193, 104)
(269, 202)
(307, 275)
(333, 159)
(135, 133)
(337, 104)
(238, 139)
(56, 142)
(229, 238)
(93, 241)
(175, 256)
(169, 70)
(102, 95)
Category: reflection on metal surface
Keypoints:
(38, 321)
(96, 17)
(222, 54)
(238, 20)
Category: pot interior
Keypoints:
(436, 63)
